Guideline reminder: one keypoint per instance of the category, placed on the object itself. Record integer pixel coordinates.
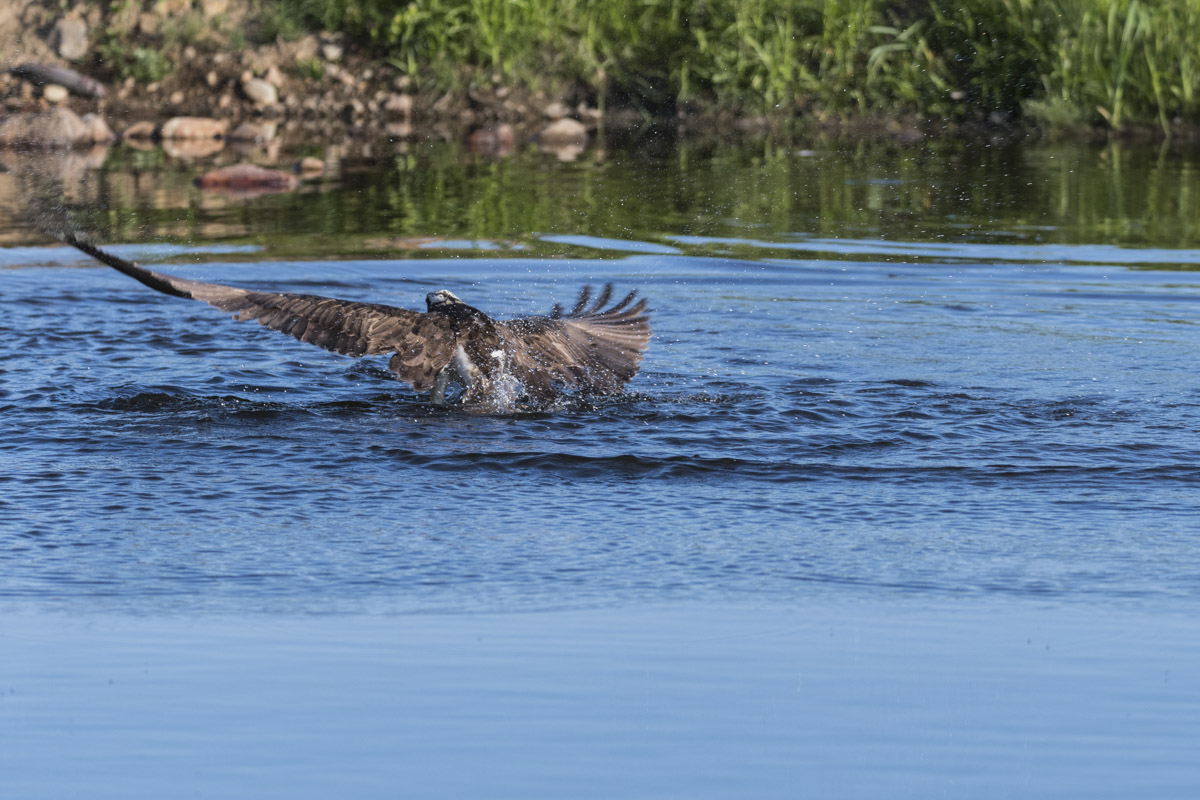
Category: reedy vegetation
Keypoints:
(1065, 63)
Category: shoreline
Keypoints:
(183, 60)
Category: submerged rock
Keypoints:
(54, 93)
(496, 140)
(243, 178)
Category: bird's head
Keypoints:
(441, 299)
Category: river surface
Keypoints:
(903, 502)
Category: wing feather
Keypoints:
(422, 343)
(591, 348)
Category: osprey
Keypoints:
(592, 349)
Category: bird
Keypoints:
(596, 348)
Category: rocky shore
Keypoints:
(315, 88)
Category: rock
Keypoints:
(212, 79)
(142, 131)
(261, 93)
(556, 110)
(274, 77)
(147, 24)
(398, 130)
(123, 17)
(140, 144)
(331, 51)
(58, 127)
(563, 133)
(309, 165)
(176, 97)
(493, 140)
(96, 130)
(69, 38)
(352, 109)
(54, 93)
(306, 49)
(193, 128)
(168, 9)
(252, 132)
(213, 8)
(399, 105)
(188, 149)
(246, 132)
(590, 117)
(247, 178)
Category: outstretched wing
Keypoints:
(422, 343)
(593, 348)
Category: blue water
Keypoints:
(960, 429)
(831, 699)
(879, 517)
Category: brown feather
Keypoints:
(597, 350)
(423, 343)
(591, 348)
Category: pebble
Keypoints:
(247, 132)
(211, 8)
(97, 130)
(399, 105)
(261, 93)
(556, 110)
(309, 165)
(192, 148)
(139, 130)
(492, 140)
(193, 128)
(70, 38)
(54, 93)
(563, 132)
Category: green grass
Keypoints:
(1114, 63)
